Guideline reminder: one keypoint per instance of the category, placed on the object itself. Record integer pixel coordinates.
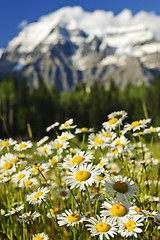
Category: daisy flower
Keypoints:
(21, 176)
(78, 158)
(130, 225)
(40, 236)
(3, 179)
(40, 167)
(82, 175)
(102, 227)
(65, 136)
(29, 182)
(52, 126)
(13, 158)
(111, 124)
(120, 115)
(59, 145)
(38, 196)
(28, 217)
(83, 130)
(120, 142)
(67, 125)
(23, 146)
(152, 130)
(63, 193)
(6, 143)
(44, 150)
(14, 210)
(116, 209)
(96, 141)
(53, 212)
(7, 167)
(70, 218)
(107, 135)
(123, 187)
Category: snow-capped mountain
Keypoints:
(70, 46)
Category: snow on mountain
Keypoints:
(70, 45)
(118, 31)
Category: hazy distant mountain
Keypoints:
(70, 46)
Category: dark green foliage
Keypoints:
(43, 106)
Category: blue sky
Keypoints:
(13, 12)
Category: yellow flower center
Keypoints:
(73, 151)
(38, 194)
(135, 124)
(36, 165)
(55, 211)
(4, 144)
(82, 176)
(130, 225)
(114, 151)
(7, 166)
(84, 129)
(112, 121)
(53, 160)
(152, 130)
(27, 183)
(66, 124)
(118, 210)
(120, 186)
(20, 176)
(29, 217)
(98, 141)
(100, 178)
(73, 218)
(44, 149)
(137, 209)
(14, 160)
(140, 133)
(102, 227)
(118, 143)
(113, 174)
(63, 193)
(101, 164)
(63, 138)
(38, 238)
(1, 178)
(107, 135)
(59, 145)
(22, 145)
(77, 159)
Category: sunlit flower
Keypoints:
(83, 130)
(5, 143)
(120, 115)
(60, 146)
(116, 208)
(28, 217)
(14, 210)
(96, 141)
(107, 135)
(123, 187)
(23, 146)
(44, 150)
(38, 196)
(120, 142)
(67, 125)
(102, 227)
(39, 167)
(40, 236)
(130, 225)
(152, 130)
(70, 218)
(79, 158)
(29, 182)
(65, 136)
(111, 124)
(21, 176)
(7, 167)
(82, 175)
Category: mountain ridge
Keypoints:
(60, 49)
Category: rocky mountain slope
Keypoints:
(66, 49)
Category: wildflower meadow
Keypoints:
(79, 184)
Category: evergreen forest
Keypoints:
(24, 110)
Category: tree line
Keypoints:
(23, 108)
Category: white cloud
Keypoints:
(22, 24)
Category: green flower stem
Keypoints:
(89, 201)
